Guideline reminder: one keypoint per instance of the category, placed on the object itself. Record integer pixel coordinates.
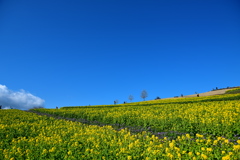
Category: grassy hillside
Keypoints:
(233, 91)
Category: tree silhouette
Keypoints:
(116, 101)
(131, 98)
(144, 94)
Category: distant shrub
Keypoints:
(157, 98)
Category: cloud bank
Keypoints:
(18, 99)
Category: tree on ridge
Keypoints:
(144, 94)
(131, 98)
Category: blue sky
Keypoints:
(83, 52)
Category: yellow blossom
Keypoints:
(188, 136)
(204, 156)
(190, 153)
(238, 141)
(199, 135)
(170, 155)
(226, 157)
(215, 142)
(236, 147)
(179, 155)
(177, 149)
(226, 141)
(171, 145)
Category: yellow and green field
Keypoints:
(181, 128)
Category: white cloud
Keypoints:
(18, 99)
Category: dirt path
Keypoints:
(117, 127)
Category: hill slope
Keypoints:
(209, 93)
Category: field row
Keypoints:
(25, 135)
(217, 118)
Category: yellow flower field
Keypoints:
(215, 115)
(206, 128)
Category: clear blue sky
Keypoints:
(83, 52)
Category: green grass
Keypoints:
(233, 91)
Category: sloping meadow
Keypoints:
(191, 128)
(214, 115)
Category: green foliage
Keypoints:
(233, 91)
